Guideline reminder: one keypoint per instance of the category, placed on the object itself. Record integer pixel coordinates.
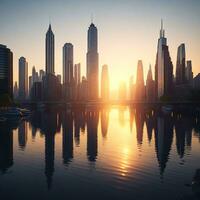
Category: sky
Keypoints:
(128, 30)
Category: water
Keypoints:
(115, 153)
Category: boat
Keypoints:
(12, 113)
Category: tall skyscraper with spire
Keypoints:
(140, 88)
(163, 67)
(50, 51)
(92, 63)
(180, 65)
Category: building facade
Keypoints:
(6, 71)
(92, 63)
(50, 51)
(23, 78)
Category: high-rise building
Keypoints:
(6, 71)
(23, 78)
(180, 65)
(42, 74)
(77, 79)
(59, 78)
(122, 92)
(49, 51)
(150, 87)
(15, 90)
(188, 72)
(163, 68)
(132, 89)
(105, 92)
(93, 63)
(140, 88)
(68, 79)
(77, 73)
(67, 63)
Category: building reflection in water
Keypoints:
(92, 127)
(150, 124)
(183, 129)
(6, 147)
(139, 120)
(73, 122)
(163, 140)
(67, 138)
(22, 135)
(48, 128)
(104, 122)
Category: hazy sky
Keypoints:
(128, 30)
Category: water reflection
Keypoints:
(146, 125)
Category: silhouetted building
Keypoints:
(180, 65)
(105, 94)
(122, 93)
(6, 71)
(150, 87)
(131, 89)
(51, 88)
(23, 78)
(93, 63)
(59, 78)
(196, 82)
(83, 89)
(41, 74)
(140, 88)
(188, 72)
(15, 90)
(77, 73)
(49, 51)
(68, 79)
(36, 91)
(163, 68)
(77, 78)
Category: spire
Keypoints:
(162, 31)
(92, 18)
(149, 76)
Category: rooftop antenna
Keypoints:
(92, 18)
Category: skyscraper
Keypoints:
(92, 63)
(77, 73)
(67, 63)
(105, 83)
(188, 71)
(180, 65)
(150, 87)
(140, 88)
(6, 71)
(163, 67)
(23, 78)
(49, 51)
(15, 90)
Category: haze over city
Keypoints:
(126, 32)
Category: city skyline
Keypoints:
(131, 48)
